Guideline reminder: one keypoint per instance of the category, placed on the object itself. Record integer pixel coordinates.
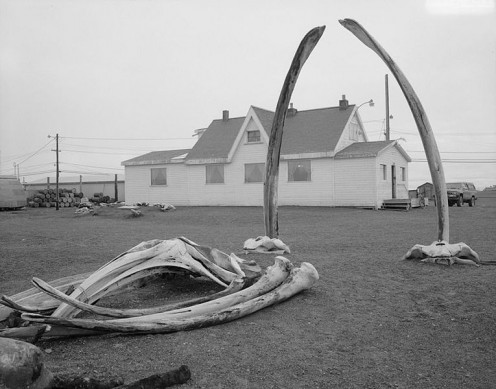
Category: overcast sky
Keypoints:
(100, 73)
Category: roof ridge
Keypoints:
(262, 109)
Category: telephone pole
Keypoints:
(387, 109)
(57, 172)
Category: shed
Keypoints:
(426, 190)
(12, 194)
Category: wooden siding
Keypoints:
(384, 188)
(139, 188)
(354, 184)
(317, 192)
(350, 134)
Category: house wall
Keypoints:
(317, 192)
(352, 133)
(384, 187)
(139, 188)
(355, 182)
(234, 191)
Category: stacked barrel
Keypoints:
(48, 198)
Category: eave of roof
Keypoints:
(157, 157)
(216, 141)
(363, 149)
(370, 149)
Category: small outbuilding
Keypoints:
(12, 193)
(426, 190)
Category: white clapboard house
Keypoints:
(326, 160)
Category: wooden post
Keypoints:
(80, 183)
(275, 140)
(116, 189)
(57, 173)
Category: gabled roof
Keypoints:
(156, 157)
(217, 140)
(369, 149)
(310, 131)
(315, 130)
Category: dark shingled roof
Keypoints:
(314, 131)
(363, 149)
(311, 131)
(217, 140)
(155, 157)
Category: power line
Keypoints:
(488, 161)
(125, 139)
(107, 148)
(456, 152)
(97, 167)
(96, 152)
(36, 152)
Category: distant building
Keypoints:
(426, 190)
(86, 184)
(326, 160)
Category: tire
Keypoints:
(459, 203)
(472, 202)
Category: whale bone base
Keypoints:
(444, 253)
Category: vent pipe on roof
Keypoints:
(343, 103)
(292, 111)
(225, 115)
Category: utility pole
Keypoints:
(57, 172)
(387, 109)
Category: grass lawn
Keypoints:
(371, 321)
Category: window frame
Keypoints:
(153, 177)
(403, 174)
(263, 172)
(258, 137)
(297, 162)
(384, 171)
(216, 165)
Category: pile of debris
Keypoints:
(47, 198)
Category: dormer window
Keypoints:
(253, 136)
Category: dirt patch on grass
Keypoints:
(371, 321)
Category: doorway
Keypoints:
(393, 181)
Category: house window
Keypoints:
(299, 170)
(403, 174)
(214, 174)
(253, 136)
(159, 176)
(254, 172)
(384, 172)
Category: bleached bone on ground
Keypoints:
(426, 134)
(153, 257)
(147, 259)
(264, 244)
(299, 279)
(164, 207)
(240, 298)
(444, 253)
